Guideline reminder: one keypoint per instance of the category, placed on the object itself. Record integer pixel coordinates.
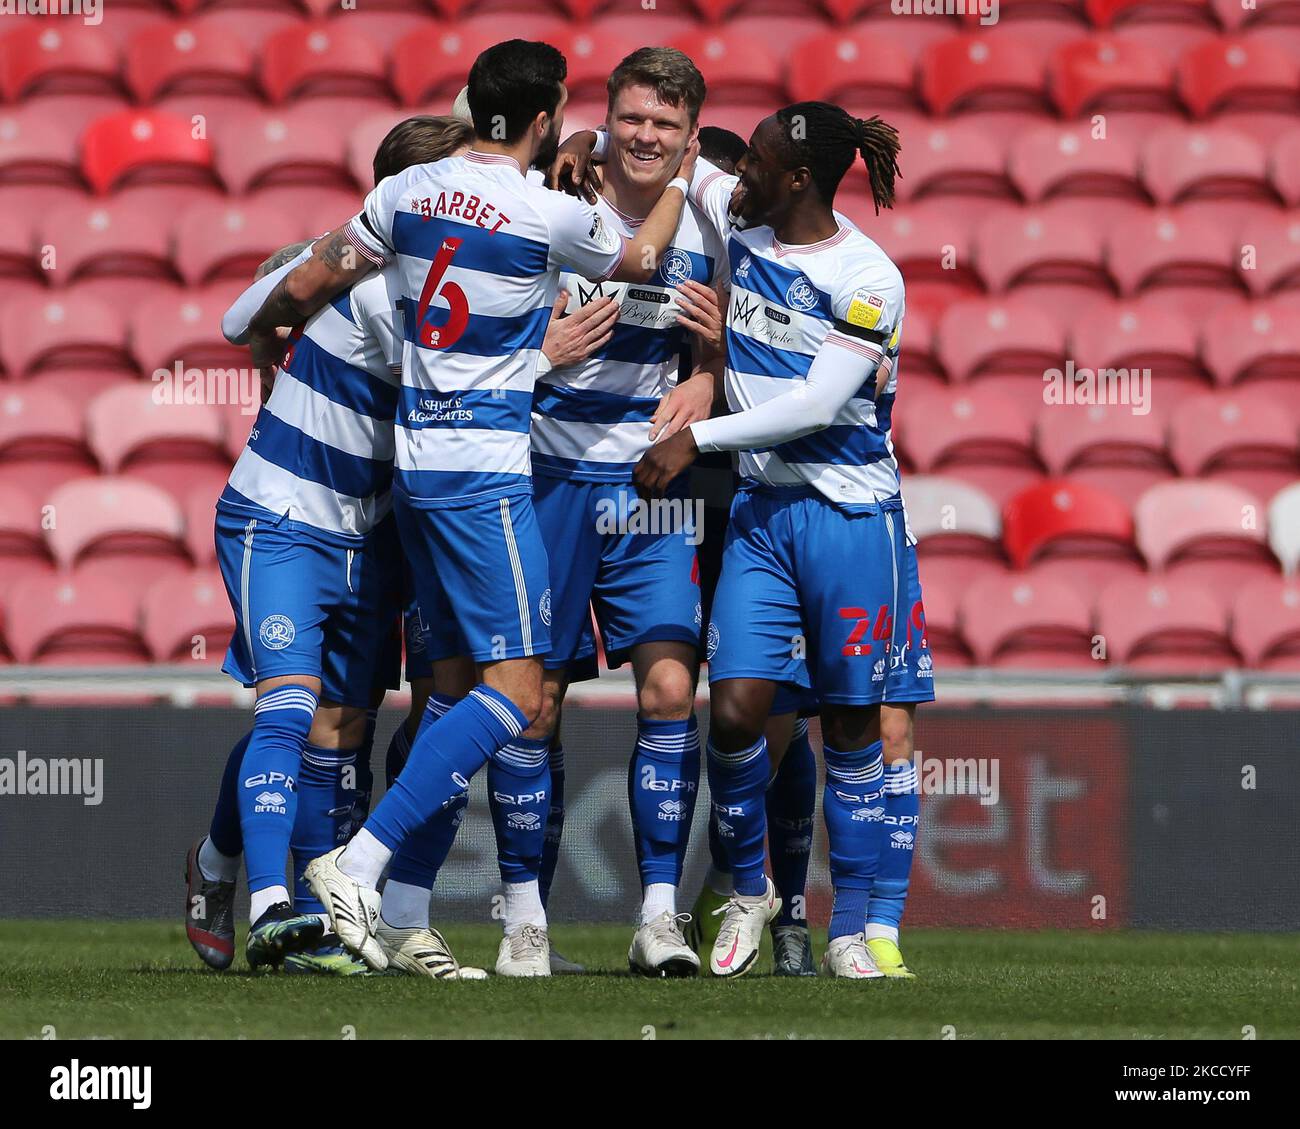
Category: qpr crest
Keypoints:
(676, 267)
(276, 632)
(801, 294)
(714, 638)
(544, 607)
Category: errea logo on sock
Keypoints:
(102, 1084)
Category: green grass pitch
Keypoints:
(140, 980)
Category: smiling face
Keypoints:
(769, 186)
(647, 136)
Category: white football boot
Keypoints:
(353, 909)
(660, 949)
(743, 920)
(525, 952)
(423, 952)
(848, 958)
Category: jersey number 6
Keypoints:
(441, 336)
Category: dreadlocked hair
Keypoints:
(825, 139)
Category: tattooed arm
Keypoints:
(334, 266)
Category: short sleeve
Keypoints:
(869, 306)
(371, 231)
(580, 240)
(711, 190)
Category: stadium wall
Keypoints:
(1087, 819)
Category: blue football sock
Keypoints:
(902, 819)
(854, 808)
(663, 781)
(737, 782)
(554, 822)
(444, 757)
(224, 831)
(519, 786)
(324, 816)
(421, 856)
(268, 798)
(847, 911)
(791, 802)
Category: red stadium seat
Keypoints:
(1164, 624)
(736, 68)
(953, 518)
(974, 72)
(201, 58)
(364, 139)
(1039, 245)
(66, 621)
(590, 52)
(254, 25)
(983, 438)
(834, 67)
(18, 245)
(117, 527)
(1107, 72)
(1274, 240)
(954, 158)
(784, 31)
(1235, 73)
(1185, 163)
(930, 241)
(1211, 531)
(130, 425)
(1027, 623)
(1107, 13)
(22, 543)
(229, 240)
(1137, 335)
(185, 614)
(108, 237)
(283, 147)
(1284, 167)
(1162, 249)
(65, 329)
(185, 327)
(1244, 437)
(41, 442)
(144, 146)
(317, 57)
(1065, 160)
(996, 336)
(1059, 516)
(38, 148)
(1256, 342)
(1105, 446)
(942, 618)
(199, 508)
(118, 515)
(40, 57)
(433, 63)
(1266, 624)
